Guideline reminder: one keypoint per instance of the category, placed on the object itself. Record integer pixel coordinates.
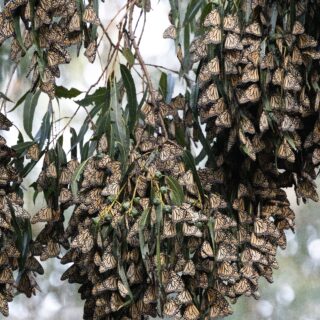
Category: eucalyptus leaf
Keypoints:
(29, 110)
(176, 191)
(132, 96)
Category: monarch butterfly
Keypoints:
(216, 201)
(175, 283)
(4, 224)
(91, 51)
(257, 144)
(227, 271)
(285, 152)
(316, 156)
(250, 74)
(191, 313)
(291, 83)
(222, 221)
(227, 252)
(5, 123)
(44, 215)
(306, 41)
(267, 61)
(84, 241)
(296, 56)
(169, 230)
(178, 214)
(50, 251)
(243, 234)
(220, 308)
(184, 297)
(250, 255)
(6, 276)
(314, 54)
(90, 16)
(230, 67)
(198, 49)
(224, 120)
(204, 75)
(233, 42)
(254, 29)
(135, 273)
(111, 189)
(298, 28)
(206, 250)
(4, 308)
(150, 295)
(242, 287)
(212, 19)
(247, 126)
(291, 104)
(189, 230)
(305, 189)
(213, 36)
(150, 117)
(170, 33)
(251, 94)
(171, 308)
(291, 123)
(231, 23)
(74, 23)
(264, 227)
(254, 57)
(108, 262)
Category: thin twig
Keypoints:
(144, 69)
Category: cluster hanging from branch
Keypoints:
(152, 233)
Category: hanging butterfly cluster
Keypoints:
(53, 26)
(54, 181)
(259, 99)
(139, 243)
(16, 247)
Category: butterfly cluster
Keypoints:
(54, 182)
(53, 25)
(16, 248)
(259, 100)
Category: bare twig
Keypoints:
(144, 69)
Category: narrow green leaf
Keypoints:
(132, 96)
(28, 112)
(176, 191)
(129, 56)
(143, 246)
(97, 98)
(163, 85)
(76, 177)
(22, 147)
(44, 133)
(62, 92)
(19, 102)
(193, 8)
(4, 97)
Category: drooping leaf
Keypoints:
(129, 56)
(62, 92)
(19, 102)
(192, 9)
(176, 191)
(131, 94)
(4, 97)
(28, 111)
(76, 177)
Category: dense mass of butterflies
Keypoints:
(12, 216)
(53, 25)
(161, 238)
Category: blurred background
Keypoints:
(295, 293)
